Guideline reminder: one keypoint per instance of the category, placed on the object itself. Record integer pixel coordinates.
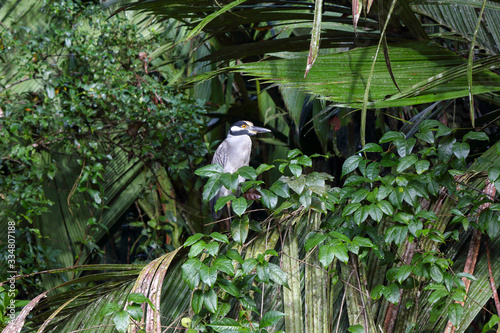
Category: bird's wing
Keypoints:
(220, 156)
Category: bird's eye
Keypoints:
(243, 126)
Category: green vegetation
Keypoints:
(392, 208)
(86, 127)
(375, 210)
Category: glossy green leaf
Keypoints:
(455, 313)
(247, 172)
(391, 136)
(356, 329)
(234, 255)
(263, 271)
(239, 230)
(396, 234)
(269, 199)
(377, 292)
(372, 170)
(281, 189)
(314, 240)
(222, 202)
(493, 173)
(110, 308)
(135, 311)
(385, 207)
(375, 212)
(445, 148)
(293, 153)
(304, 160)
(228, 287)
(297, 185)
(190, 272)
(210, 300)
(362, 242)
(223, 264)
(494, 320)
(263, 167)
(212, 248)
(437, 295)
(422, 166)
(403, 272)
(225, 325)
(296, 169)
(406, 162)
(139, 299)
(461, 150)
(211, 188)
(351, 209)
(222, 310)
(371, 147)
(193, 239)
(436, 274)
(361, 215)
(405, 146)
(350, 164)
(219, 237)
(248, 265)
(270, 318)
(481, 136)
(197, 248)
(248, 303)
(384, 191)
(340, 252)
(121, 321)
(326, 255)
(391, 293)
(426, 135)
(339, 236)
(208, 275)
(277, 275)
(210, 170)
(271, 252)
(230, 181)
(197, 301)
(239, 206)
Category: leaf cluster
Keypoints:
(222, 281)
(388, 200)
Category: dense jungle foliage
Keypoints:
(374, 205)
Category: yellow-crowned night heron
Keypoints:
(233, 153)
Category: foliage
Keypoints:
(8, 306)
(221, 278)
(387, 57)
(385, 206)
(99, 130)
(132, 311)
(96, 93)
(79, 105)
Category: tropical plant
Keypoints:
(403, 211)
(418, 65)
(393, 213)
(88, 130)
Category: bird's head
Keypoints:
(245, 127)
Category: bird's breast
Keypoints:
(238, 154)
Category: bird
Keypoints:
(233, 153)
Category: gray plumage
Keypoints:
(233, 153)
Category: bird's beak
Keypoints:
(255, 129)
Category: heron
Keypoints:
(233, 153)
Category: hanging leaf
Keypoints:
(315, 36)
